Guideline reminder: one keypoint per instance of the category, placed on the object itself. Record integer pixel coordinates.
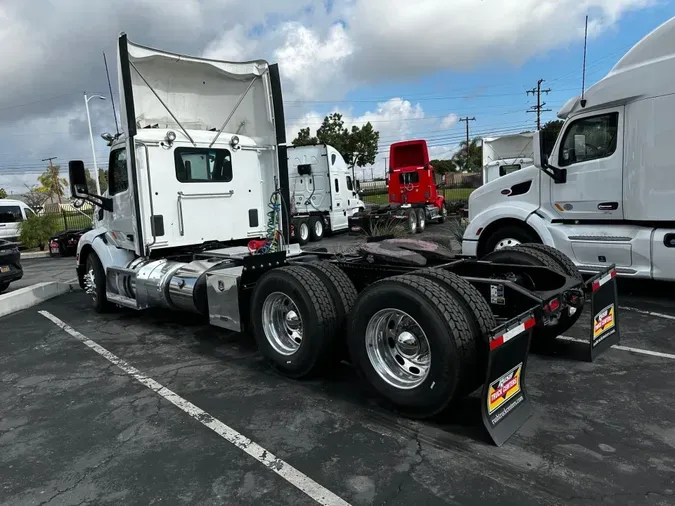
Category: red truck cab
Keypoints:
(411, 176)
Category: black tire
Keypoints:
(98, 295)
(565, 263)
(314, 223)
(479, 313)
(317, 310)
(444, 214)
(527, 255)
(302, 232)
(421, 220)
(520, 234)
(446, 327)
(4, 286)
(62, 250)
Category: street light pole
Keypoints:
(91, 138)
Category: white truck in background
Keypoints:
(323, 194)
(606, 194)
(506, 154)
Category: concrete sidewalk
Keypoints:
(32, 295)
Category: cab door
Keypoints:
(591, 149)
(120, 222)
(339, 216)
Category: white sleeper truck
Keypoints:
(203, 167)
(506, 154)
(323, 194)
(606, 194)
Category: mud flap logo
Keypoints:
(503, 389)
(603, 324)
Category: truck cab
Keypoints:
(506, 154)
(323, 193)
(411, 177)
(605, 194)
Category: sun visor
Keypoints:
(162, 89)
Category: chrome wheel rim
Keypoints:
(282, 323)
(304, 231)
(413, 224)
(507, 243)
(398, 349)
(318, 228)
(90, 283)
(423, 220)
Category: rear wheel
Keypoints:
(528, 254)
(4, 286)
(421, 220)
(94, 283)
(294, 321)
(412, 221)
(302, 232)
(411, 342)
(444, 214)
(316, 228)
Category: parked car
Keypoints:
(65, 243)
(10, 264)
(12, 212)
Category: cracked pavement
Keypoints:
(75, 429)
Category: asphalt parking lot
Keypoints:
(77, 429)
(36, 270)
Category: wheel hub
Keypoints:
(507, 243)
(398, 348)
(282, 323)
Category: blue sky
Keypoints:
(412, 68)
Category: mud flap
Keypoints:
(504, 400)
(604, 312)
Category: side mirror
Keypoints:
(540, 161)
(78, 179)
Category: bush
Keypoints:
(35, 231)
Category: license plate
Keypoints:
(4, 268)
(54, 249)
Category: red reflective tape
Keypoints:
(515, 331)
(605, 279)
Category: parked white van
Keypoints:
(12, 212)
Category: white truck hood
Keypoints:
(200, 93)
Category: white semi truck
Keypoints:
(506, 154)
(323, 194)
(203, 166)
(606, 194)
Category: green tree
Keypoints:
(357, 146)
(51, 183)
(549, 134)
(34, 198)
(474, 163)
(103, 179)
(361, 146)
(305, 138)
(443, 166)
(3, 193)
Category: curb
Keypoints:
(29, 296)
(34, 254)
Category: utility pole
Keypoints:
(539, 108)
(468, 141)
(56, 178)
(386, 169)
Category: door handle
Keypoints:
(608, 206)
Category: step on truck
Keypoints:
(204, 152)
(324, 194)
(413, 198)
(605, 194)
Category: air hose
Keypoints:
(271, 243)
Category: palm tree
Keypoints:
(475, 160)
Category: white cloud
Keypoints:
(449, 121)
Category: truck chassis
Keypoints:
(422, 326)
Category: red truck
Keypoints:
(413, 196)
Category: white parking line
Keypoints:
(624, 348)
(304, 483)
(650, 313)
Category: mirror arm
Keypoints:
(103, 202)
(557, 174)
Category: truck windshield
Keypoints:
(507, 169)
(198, 165)
(408, 177)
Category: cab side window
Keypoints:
(118, 175)
(350, 186)
(589, 138)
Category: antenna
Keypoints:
(112, 98)
(583, 73)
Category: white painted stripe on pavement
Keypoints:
(624, 348)
(650, 313)
(304, 483)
